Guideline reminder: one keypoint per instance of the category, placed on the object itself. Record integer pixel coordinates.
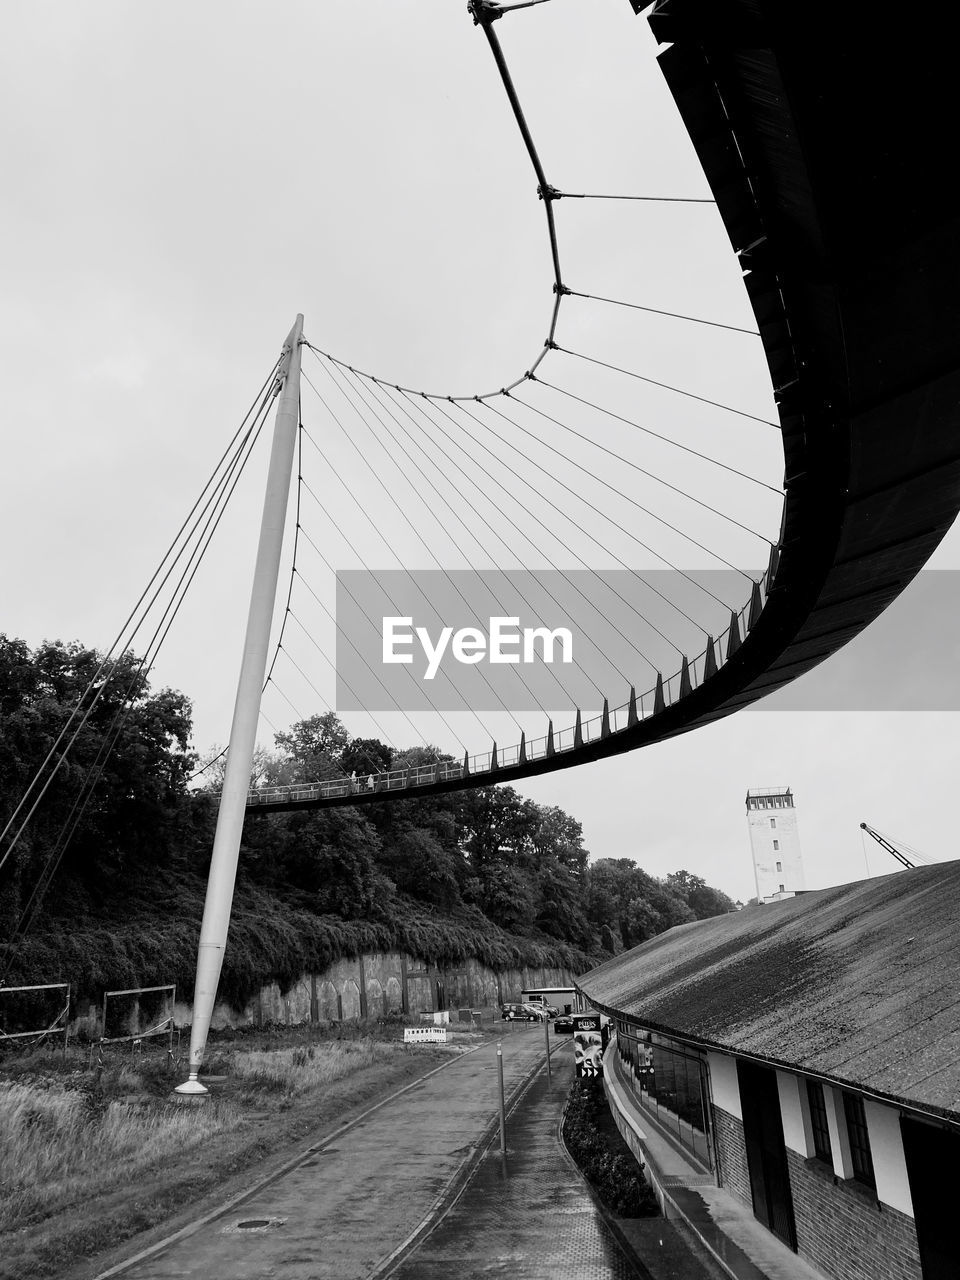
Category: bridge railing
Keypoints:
(557, 742)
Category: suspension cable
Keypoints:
(591, 604)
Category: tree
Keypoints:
(625, 897)
(608, 941)
(698, 895)
(116, 786)
(212, 766)
(312, 748)
(325, 859)
(365, 756)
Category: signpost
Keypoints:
(588, 1045)
(503, 1117)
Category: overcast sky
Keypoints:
(181, 180)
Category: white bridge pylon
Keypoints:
(226, 844)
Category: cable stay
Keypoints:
(190, 544)
(673, 315)
(374, 524)
(456, 515)
(665, 386)
(592, 195)
(515, 527)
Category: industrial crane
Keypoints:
(885, 844)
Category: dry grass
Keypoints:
(59, 1144)
(304, 1067)
(89, 1159)
(65, 1139)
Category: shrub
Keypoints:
(603, 1157)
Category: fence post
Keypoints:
(503, 1118)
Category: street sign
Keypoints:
(587, 1045)
(586, 1022)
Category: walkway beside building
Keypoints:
(526, 1215)
(529, 1215)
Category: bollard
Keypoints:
(503, 1118)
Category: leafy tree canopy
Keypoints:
(140, 838)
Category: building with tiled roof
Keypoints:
(804, 1054)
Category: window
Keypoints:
(667, 1079)
(773, 822)
(818, 1122)
(779, 864)
(776, 846)
(859, 1139)
(782, 890)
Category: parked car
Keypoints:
(563, 1025)
(512, 1012)
(521, 1013)
(536, 1012)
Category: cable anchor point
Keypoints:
(546, 192)
(484, 12)
(560, 289)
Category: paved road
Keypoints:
(526, 1215)
(411, 1193)
(358, 1196)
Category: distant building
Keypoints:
(798, 1065)
(774, 843)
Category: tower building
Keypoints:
(774, 843)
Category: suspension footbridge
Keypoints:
(839, 245)
(820, 151)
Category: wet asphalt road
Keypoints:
(526, 1215)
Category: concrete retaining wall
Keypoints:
(368, 986)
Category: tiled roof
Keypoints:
(859, 983)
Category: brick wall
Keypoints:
(843, 1230)
(731, 1155)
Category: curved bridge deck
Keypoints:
(819, 137)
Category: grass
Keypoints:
(301, 1068)
(89, 1158)
(62, 1142)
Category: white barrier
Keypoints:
(440, 1019)
(433, 1035)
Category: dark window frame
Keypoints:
(817, 1104)
(858, 1135)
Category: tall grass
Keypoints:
(302, 1067)
(63, 1142)
(57, 1145)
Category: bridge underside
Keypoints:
(824, 148)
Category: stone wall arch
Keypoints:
(393, 996)
(350, 999)
(328, 1006)
(375, 1007)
